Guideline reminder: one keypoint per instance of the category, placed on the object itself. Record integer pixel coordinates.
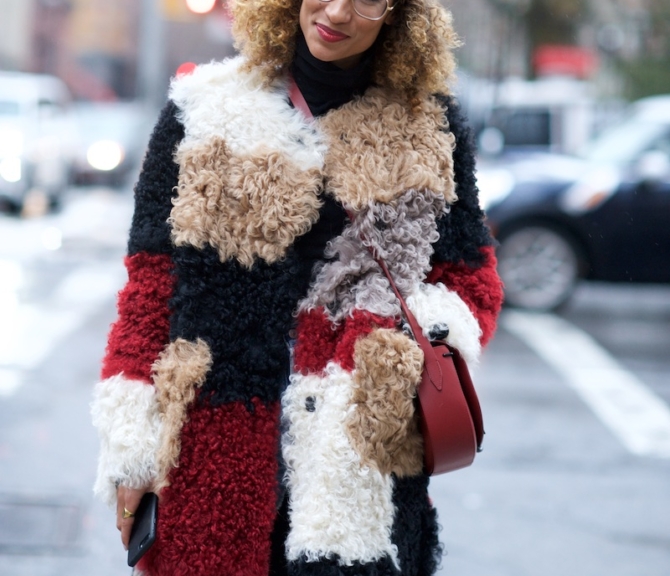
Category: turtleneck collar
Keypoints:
(324, 85)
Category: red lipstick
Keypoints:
(330, 35)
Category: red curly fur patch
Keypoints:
(319, 340)
(217, 515)
(479, 288)
(143, 327)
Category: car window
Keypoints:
(524, 127)
(624, 143)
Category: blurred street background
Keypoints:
(570, 103)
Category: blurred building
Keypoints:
(104, 49)
(621, 46)
(15, 40)
(494, 40)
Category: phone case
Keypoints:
(143, 534)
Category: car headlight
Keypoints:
(11, 142)
(494, 186)
(10, 168)
(105, 155)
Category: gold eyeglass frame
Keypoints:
(353, 4)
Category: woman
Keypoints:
(248, 243)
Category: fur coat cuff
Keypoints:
(434, 305)
(125, 413)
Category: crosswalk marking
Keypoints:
(639, 418)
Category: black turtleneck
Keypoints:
(324, 85)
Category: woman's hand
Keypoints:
(127, 501)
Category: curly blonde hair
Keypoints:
(414, 53)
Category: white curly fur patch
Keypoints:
(337, 506)
(125, 412)
(217, 100)
(433, 304)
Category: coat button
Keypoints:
(292, 333)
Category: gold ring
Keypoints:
(127, 514)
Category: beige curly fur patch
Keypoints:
(384, 427)
(378, 148)
(246, 207)
(180, 369)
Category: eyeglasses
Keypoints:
(370, 9)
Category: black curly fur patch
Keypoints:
(243, 315)
(462, 231)
(331, 567)
(150, 231)
(415, 527)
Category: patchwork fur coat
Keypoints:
(199, 394)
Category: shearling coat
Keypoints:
(200, 395)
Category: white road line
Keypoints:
(639, 418)
(30, 332)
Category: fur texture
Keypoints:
(383, 427)
(335, 567)
(244, 206)
(180, 369)
(378, 149)
(156, 185)
(339, 507)
(219, 462)
(126, 414)
(319, 340)
(401, 233)
(462, 231)
(415, 527)
(243, 315)
(433, 304)
(143, 326)
(216, 515)
(481, 289)
(218, 101)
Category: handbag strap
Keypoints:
(431, 363)
(297, 99)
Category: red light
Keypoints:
(186, 68)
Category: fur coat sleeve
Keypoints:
(124, 408)
(463, 261)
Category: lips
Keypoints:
(330, 35)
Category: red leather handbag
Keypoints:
(450, 415)
(451, 418)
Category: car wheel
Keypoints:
(539, 267)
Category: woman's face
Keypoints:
(335, 33)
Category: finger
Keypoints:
(131, 501)
(120, 505)
(126, 528)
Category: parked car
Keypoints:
(111, 139)
(603, 216)
(35, 152)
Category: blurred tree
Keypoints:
(541, 22)
(554, 21)
(648, 72)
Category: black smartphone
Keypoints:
(143, 533)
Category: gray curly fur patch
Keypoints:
(401, 233)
